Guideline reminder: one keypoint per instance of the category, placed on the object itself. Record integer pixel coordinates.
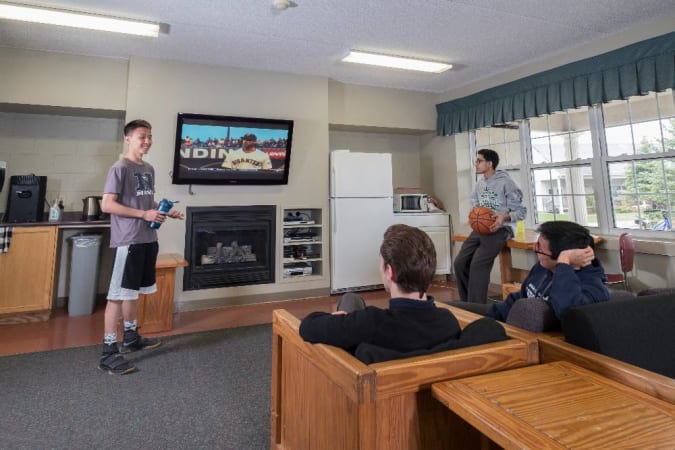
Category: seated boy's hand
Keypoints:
(577, 257)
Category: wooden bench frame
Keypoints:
(323, 397)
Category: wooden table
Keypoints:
(558, 405)
(511, 276)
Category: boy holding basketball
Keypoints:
(500, 193)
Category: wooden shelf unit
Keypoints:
(302, 244)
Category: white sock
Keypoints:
(110, 338)
(130, 325)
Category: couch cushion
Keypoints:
(620, 294)
(639, 331)
(533, 314)
(481, 331)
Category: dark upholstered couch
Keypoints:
(535, 314)
(638, 330)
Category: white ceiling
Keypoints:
(483, 38)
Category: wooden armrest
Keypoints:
(417, 373)
(466, 317)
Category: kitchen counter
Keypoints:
(33, 273)
(70, 219)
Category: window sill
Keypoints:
(645, 245)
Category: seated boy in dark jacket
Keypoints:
(567, 274)
(412, 321)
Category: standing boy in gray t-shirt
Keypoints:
(128, 196)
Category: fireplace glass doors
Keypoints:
(229, 246)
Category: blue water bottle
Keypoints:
(163, 206)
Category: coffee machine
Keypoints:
(26, 198)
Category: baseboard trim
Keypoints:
(249, 300)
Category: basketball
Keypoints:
(480, 219)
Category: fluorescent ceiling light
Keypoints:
(77, 20)
(395, 62)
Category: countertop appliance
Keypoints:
(91, 208)
(26, 199)
(361, 196)
(411, 203)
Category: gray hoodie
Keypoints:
(500, 194)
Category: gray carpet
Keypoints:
(206, 390)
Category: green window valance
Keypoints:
(647, 66)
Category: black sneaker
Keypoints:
(115, 364)
(139, 343)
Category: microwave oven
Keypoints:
(411, 203)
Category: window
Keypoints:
(560, 170)
(505, 140)
(609, 166)
(640, 142)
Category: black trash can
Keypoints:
(84, 263)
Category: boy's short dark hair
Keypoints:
(563, 235)
(411, 254)
(138, 123)
(490, 155)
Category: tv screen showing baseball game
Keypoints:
(231, 150)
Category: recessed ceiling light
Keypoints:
(396, 62)
(77, 20)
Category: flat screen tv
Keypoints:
(231, 150)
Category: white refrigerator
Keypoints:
(361, 209)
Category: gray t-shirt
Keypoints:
(134, 185)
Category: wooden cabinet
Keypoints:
(27, 272)
(437, 226)
(155, 311)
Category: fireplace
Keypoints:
(229, 246)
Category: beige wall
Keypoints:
(363, 106)
(74, 153)
(41, 78)
(404, 148)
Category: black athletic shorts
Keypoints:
(133, 271)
